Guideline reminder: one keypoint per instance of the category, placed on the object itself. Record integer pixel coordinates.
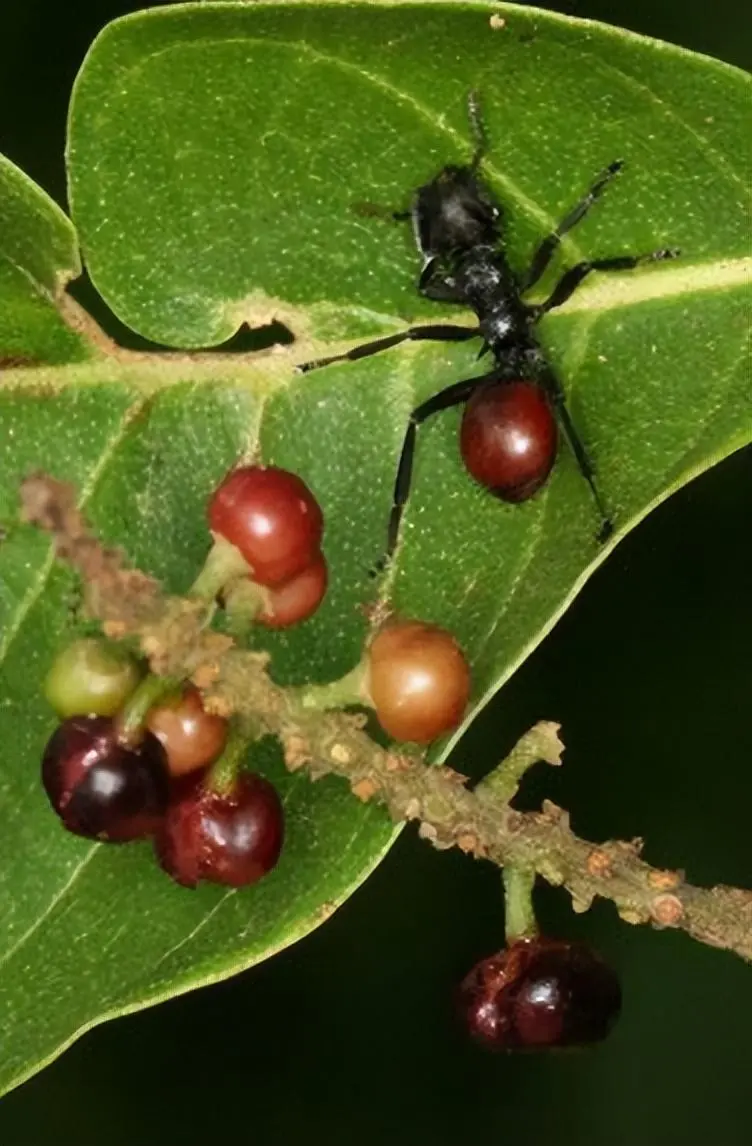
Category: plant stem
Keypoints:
(338, 694)
(132, 717)
(243, 601)
(519, 914)
(224, 564)
(540, 743)
(223, 771)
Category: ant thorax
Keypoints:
(487, 284)
(483, 276)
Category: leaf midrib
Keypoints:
(263, 372)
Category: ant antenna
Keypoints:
(477, 130)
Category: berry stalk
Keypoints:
(223, 772)
(519, 913)
(131, 721)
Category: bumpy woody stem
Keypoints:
(174, 635)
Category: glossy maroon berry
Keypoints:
(418, 680)
(508, 438)
(232, 837)
(99, 787)
(540, 993)
(272, 517)
(297, 599)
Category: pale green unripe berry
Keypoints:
(91, 677)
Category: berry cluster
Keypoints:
(540, 993)
(120, 768)
(138, 756)
(273, 520)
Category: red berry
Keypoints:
(191, 737)
(271, 517)
(297, 599)
(232, 837)
(418, 680)
(540, 993)
(101, 788)
(508, 438)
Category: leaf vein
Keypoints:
(199, 926)
(75, 873)
(713, 154)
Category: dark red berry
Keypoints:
(540, 993)
(297, 599)
(232, 837)
(508, 438)
(101, 788)
(272, 517)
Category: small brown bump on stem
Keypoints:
(297, 753)
(340, 754)
(599, 864)
(206, 675)
(667, 910)
(467, 842)
(664, 880)
(364, 789)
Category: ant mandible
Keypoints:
(508, 436)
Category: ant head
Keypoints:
(455, 212)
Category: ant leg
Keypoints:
(454, 395)
(444, 332)
(477, 130)
(555, 392)
(572, 278)
(377, 211)
(426, 275)
(545, 251)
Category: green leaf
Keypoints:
(215, 156)
(38, 256)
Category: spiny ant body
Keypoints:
(508, 438)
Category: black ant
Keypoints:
(508, 438)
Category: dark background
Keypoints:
(349, 1036)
